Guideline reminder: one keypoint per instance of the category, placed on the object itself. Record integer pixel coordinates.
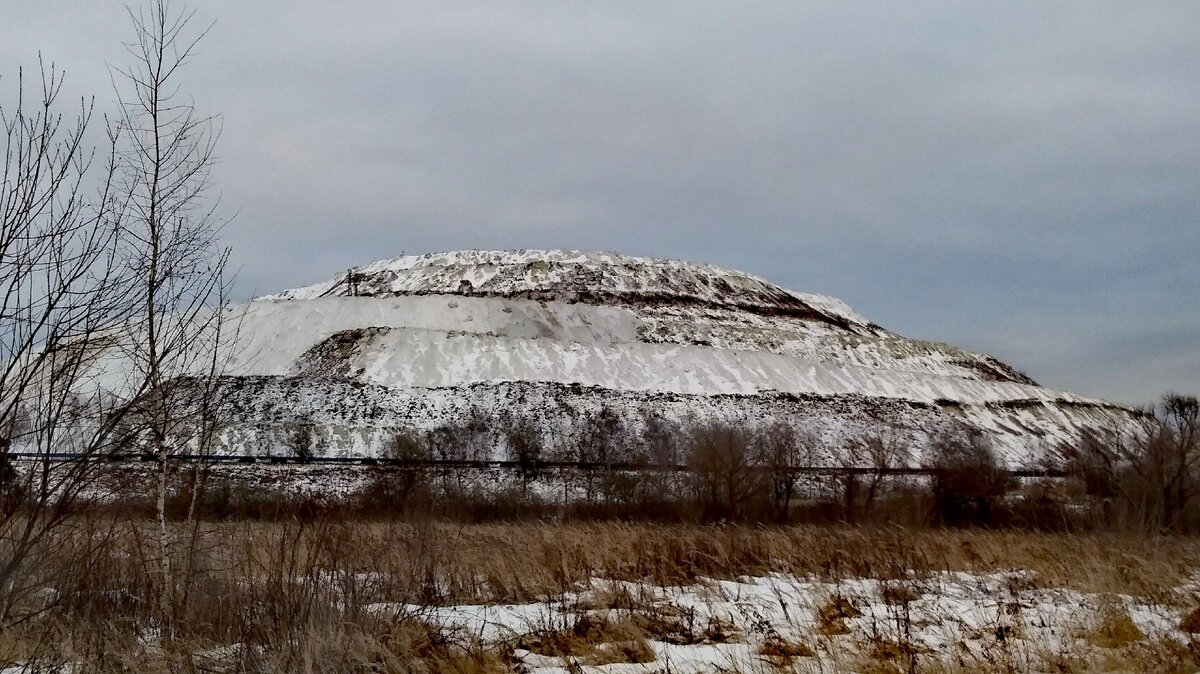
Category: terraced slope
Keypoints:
(417, 341)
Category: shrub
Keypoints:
(968, 480)
(727, 470)
(396, 484)
(300, 439)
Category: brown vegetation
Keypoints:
(1114, 628)
(593, 641)
(1147, 477)
(831, 618)
(298, 591)
(781, 652)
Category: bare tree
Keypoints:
(968, 478)
(300, 438)
(1177, 442)
(128, 269)
(394, 485)
(1091, 461)
(63, 297)
(726, 463)
(660, 437)
(601, 438)
(1152, 470)
(445, 443)
(782, 450)
(467, 439)
(883, 448)
(523, 442)
(165, 160)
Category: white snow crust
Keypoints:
(437, 341)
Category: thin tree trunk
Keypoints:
(164, 550)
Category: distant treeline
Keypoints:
(1136, 478)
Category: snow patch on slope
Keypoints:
(437, 341)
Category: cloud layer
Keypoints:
(1021, 179)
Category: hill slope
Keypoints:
(418, 341)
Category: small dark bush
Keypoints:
(968, 480)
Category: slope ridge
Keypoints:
(576, 276)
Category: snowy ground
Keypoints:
(944, 622)
(737, 625)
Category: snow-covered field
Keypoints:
(951, 621)
(1002, 621)
(731, 625)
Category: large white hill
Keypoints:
(419, 341)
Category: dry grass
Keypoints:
(294, 595)
(781, 652)
(1114, 628)
(831, 617)
(592, 640)
(1191, 622)
(521, 561)
(889, 650)
(898, 593)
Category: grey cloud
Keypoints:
(1019, 179)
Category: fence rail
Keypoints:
(509, 465)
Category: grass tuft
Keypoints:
(781, 652)
(1191, 622)
(831, 618)
(592, 640)
(1115, 628)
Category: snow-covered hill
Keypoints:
(418, 341)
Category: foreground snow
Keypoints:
(731, 625)
(950, 621)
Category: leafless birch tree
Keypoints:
(165, 163)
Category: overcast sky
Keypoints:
(1021, 179)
